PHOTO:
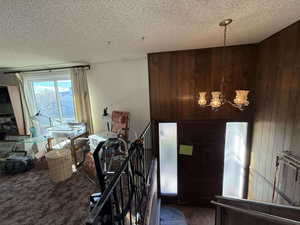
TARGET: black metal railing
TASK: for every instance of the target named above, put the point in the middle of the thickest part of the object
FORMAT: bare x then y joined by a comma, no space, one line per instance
233,210
146,136
124,199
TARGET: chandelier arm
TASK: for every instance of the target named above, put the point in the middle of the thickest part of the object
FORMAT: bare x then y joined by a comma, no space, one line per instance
206,105
234,105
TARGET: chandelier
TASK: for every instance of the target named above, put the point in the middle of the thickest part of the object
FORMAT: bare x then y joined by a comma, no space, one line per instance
218,97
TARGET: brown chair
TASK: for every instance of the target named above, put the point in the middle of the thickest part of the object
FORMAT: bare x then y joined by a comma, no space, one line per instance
77,145
120,123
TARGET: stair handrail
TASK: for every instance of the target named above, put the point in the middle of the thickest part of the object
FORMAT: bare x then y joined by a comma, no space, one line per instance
257,202
145,130
258,214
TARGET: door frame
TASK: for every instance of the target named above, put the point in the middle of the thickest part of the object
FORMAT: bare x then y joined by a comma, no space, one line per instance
155,142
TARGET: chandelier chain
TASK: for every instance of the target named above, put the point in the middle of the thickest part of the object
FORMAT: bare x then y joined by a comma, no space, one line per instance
223,58
225,35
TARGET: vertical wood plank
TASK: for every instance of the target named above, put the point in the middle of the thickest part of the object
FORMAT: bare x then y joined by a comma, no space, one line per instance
277,113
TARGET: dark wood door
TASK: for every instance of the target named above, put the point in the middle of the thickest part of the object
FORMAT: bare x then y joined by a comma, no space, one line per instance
200,176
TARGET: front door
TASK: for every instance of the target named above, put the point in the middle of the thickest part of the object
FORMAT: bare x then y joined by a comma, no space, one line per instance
200,160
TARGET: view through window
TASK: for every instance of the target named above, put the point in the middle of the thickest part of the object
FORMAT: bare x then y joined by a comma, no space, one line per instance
52,98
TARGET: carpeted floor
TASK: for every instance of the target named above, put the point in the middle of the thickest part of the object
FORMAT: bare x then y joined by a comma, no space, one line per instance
32,198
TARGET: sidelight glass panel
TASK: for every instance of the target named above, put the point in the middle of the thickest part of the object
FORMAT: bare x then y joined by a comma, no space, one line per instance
235,159
168,158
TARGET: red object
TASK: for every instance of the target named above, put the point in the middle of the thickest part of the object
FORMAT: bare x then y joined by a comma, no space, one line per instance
120,122
89,165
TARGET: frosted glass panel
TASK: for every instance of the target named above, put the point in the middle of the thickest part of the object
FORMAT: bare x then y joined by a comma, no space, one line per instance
235,158
168,158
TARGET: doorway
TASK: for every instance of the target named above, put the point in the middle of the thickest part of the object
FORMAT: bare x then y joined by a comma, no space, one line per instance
201,159
200,170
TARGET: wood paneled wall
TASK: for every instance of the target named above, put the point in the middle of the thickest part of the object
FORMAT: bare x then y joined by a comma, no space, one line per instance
176,78
270,69
277,116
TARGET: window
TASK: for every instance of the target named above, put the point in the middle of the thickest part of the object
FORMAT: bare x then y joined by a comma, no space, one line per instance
50,95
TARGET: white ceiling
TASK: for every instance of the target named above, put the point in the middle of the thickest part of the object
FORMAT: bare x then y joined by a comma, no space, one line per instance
43,32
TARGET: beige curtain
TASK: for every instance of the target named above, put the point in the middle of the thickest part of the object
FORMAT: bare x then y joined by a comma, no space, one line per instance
15,99
81,97
27,108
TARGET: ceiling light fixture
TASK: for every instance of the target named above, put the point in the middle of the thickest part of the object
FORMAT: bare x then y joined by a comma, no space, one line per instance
218,98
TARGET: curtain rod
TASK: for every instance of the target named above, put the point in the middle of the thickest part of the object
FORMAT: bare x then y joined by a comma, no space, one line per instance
49,69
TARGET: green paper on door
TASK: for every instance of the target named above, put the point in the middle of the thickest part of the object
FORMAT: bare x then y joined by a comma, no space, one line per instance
186,150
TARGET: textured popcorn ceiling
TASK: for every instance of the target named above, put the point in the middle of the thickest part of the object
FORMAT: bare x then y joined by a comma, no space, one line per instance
41,32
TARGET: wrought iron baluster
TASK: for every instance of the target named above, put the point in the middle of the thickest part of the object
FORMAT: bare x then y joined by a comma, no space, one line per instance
114,206
129,193
122,200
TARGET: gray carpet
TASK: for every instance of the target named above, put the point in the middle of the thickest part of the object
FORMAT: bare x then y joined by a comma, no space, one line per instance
171,216
32,198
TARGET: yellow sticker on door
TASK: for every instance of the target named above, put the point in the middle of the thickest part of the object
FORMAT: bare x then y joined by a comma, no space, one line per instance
186,150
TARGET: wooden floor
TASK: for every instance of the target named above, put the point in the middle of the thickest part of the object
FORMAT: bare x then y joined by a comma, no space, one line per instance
197,215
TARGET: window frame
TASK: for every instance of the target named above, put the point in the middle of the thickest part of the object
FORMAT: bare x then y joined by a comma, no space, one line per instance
41,76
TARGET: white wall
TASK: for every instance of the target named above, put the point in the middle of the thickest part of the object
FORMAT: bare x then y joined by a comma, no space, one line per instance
120,85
